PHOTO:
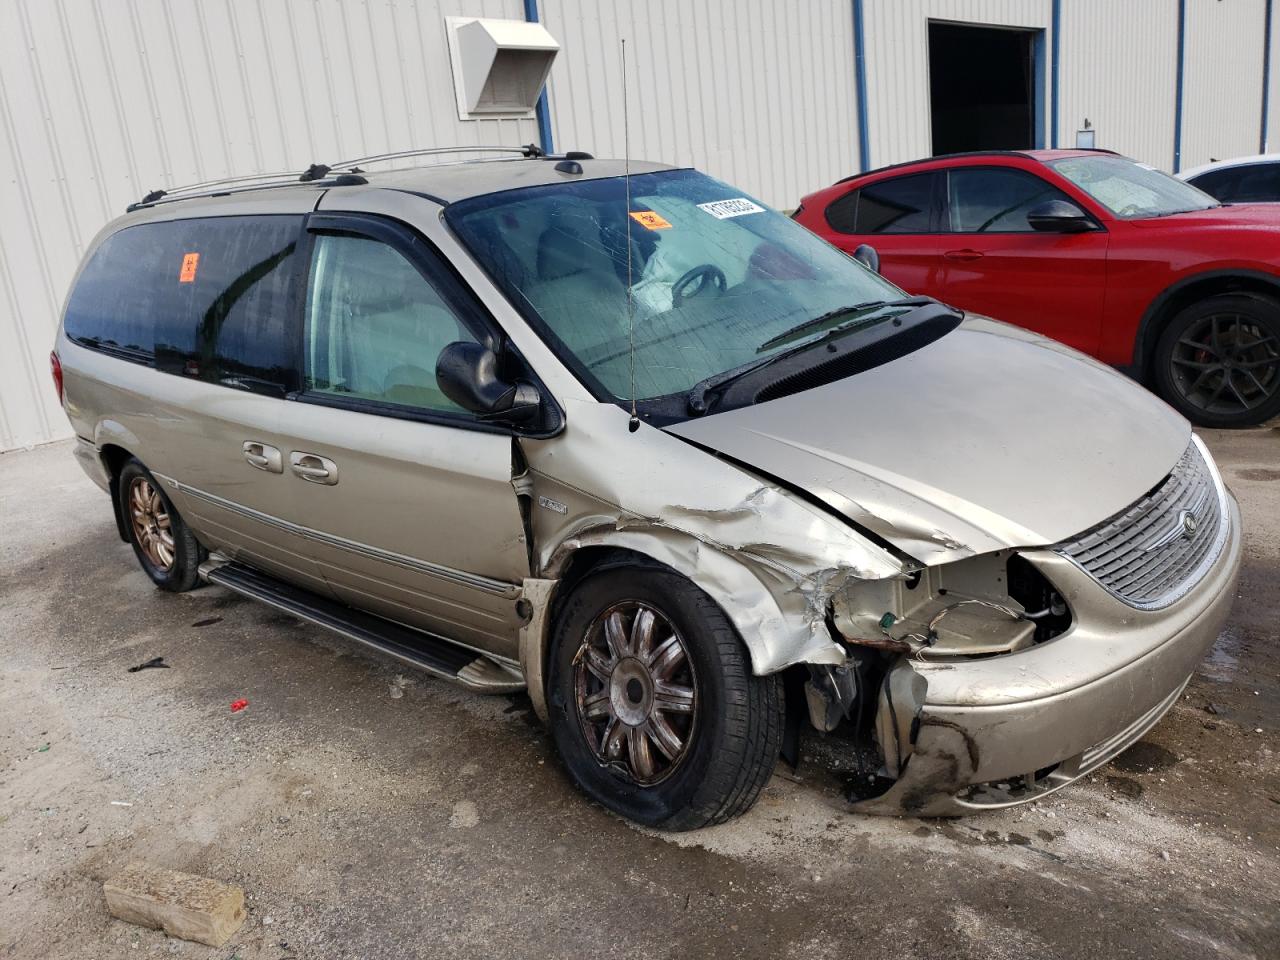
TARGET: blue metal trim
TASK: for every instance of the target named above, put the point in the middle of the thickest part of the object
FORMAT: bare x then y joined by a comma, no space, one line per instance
1053,108
1037,65
541,111
1177,107
860,70
1266,80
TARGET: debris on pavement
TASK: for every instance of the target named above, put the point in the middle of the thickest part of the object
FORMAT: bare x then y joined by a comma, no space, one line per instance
155,663
207,622
238,705
181,904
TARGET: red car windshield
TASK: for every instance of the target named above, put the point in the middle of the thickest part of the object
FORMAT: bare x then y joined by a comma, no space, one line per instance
1132,190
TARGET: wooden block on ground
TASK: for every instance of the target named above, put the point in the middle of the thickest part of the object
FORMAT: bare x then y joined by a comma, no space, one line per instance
180,904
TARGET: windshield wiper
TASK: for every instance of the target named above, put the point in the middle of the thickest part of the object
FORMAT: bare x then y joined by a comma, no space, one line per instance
855,312
697,396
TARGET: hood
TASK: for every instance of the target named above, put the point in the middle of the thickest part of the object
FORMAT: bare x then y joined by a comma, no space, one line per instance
1252,216
990,437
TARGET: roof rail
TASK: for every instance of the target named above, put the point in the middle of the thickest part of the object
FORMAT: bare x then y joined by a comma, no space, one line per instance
344,174
529,150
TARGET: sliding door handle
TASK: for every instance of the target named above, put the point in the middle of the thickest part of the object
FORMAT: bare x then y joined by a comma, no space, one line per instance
263,456
313,468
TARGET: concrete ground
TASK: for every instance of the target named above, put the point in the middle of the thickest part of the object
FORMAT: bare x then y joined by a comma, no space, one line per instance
371,813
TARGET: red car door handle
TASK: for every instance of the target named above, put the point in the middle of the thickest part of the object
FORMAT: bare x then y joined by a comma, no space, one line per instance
965,254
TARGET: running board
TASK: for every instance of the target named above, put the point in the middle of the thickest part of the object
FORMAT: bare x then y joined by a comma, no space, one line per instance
426,651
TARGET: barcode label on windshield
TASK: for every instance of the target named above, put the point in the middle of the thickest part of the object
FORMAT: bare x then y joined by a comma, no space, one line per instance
724,209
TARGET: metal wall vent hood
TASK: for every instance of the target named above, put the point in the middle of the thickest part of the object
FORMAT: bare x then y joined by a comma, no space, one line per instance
499,66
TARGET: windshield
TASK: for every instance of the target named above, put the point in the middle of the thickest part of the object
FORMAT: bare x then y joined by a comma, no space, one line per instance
714,276
1132,190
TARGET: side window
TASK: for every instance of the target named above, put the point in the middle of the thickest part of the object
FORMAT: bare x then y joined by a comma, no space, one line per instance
375,326
1256,183
205,298
1219,184
892,206
993,200
129,298
240,301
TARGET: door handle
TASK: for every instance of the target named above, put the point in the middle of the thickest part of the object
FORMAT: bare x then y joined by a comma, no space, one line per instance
966,254
313,468
263,456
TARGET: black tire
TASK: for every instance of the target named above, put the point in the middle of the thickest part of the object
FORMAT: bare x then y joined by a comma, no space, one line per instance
736,721
183,571
1218,361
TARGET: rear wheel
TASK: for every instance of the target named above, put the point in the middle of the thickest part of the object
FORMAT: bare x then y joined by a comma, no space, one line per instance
164,545
653,704
1218,361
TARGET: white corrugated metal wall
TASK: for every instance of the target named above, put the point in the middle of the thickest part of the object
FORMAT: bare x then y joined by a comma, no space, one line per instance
101,101
755,92
1110,51
1222,79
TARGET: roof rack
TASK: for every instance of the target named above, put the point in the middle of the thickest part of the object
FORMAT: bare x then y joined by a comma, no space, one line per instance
344,173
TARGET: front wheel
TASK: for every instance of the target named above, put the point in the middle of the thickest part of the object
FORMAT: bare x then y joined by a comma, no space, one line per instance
654,707
1218,361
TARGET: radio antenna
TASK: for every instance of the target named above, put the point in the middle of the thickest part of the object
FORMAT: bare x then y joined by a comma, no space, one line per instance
634,423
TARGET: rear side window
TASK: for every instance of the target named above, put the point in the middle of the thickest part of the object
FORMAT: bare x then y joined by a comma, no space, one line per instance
207,298
903,205
993,200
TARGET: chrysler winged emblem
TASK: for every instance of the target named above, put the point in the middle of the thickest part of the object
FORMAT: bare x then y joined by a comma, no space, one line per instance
1189,524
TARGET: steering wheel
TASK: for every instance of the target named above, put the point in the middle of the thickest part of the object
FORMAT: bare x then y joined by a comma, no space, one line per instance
706,276
1130,210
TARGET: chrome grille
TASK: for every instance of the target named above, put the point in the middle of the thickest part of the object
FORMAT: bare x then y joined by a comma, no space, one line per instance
1153,552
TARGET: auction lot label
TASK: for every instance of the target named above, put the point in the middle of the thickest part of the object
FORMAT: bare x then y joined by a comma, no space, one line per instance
724,209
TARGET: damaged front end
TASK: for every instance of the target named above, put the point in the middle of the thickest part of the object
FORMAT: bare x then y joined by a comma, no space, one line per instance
979,676
985,701
940,616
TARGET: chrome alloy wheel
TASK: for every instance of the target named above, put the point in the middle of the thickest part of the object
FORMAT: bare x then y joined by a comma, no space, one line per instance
152,528
1227,363
635,692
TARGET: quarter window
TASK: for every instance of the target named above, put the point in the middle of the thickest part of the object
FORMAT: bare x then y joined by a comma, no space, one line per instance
991,200
894,206
375,326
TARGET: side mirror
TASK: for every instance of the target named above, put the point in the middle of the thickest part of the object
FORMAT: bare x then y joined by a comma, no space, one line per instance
866,255
467,374
1058,216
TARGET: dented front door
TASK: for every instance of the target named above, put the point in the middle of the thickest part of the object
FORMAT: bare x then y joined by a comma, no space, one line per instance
408,497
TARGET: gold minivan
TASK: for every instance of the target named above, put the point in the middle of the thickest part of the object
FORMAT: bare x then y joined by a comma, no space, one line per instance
627,439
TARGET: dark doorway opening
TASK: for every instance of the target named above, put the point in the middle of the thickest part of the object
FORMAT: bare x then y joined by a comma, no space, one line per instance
982,88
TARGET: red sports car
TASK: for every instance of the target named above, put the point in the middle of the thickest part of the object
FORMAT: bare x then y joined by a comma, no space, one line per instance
1107,255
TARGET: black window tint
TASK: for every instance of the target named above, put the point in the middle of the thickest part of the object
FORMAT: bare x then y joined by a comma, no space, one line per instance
128,294
206,298
992,200
894,206
241,301
1255,183
842,213
1219,184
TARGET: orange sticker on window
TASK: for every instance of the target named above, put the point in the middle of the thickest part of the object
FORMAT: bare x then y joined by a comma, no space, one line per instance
650,220
188,272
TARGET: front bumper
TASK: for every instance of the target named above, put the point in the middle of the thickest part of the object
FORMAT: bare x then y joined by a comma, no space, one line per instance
971,735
